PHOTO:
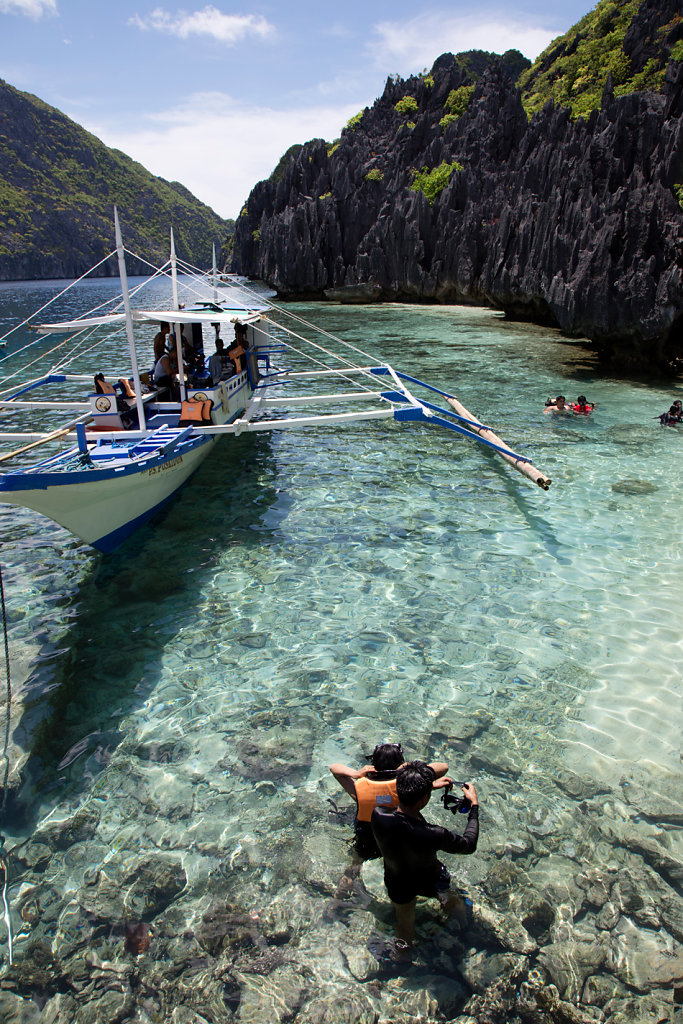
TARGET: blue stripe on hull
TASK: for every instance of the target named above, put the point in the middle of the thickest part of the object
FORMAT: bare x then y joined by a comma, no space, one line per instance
114,539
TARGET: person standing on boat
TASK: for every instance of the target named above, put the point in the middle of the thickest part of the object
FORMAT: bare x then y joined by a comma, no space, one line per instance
409,845
372,786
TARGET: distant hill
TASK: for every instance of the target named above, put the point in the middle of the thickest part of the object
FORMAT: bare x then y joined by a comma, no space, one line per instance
552,191
58,187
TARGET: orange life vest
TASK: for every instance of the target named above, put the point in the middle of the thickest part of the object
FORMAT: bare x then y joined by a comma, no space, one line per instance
126,385
235,352
373,793
194,413
104,387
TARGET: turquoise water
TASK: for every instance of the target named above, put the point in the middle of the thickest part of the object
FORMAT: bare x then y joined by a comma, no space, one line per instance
310,594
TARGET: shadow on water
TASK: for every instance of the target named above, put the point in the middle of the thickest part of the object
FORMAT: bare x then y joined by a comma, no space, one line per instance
128,606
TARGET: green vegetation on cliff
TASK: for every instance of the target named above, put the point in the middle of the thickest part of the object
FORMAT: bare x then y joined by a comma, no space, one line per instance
58,187
574,69
432,183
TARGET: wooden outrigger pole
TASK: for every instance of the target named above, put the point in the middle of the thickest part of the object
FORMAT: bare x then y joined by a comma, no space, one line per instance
53,436
525,468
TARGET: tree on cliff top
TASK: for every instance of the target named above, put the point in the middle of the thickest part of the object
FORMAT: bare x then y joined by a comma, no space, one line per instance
630,39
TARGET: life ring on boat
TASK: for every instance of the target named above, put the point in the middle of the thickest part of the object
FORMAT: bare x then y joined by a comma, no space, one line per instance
103,404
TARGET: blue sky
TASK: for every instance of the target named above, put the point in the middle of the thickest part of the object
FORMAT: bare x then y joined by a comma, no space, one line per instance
212,94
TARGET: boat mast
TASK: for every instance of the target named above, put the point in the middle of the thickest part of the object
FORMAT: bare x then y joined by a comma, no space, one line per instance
129,322
177,327
215,276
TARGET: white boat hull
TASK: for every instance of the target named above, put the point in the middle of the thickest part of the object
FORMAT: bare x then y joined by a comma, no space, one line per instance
103,507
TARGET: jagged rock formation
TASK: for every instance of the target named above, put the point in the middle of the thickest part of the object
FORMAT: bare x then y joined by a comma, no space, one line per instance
58,187
575,223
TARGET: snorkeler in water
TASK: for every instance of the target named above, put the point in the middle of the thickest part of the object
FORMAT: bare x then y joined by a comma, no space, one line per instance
559,407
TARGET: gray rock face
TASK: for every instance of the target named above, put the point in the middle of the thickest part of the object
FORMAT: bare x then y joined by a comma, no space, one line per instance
570,223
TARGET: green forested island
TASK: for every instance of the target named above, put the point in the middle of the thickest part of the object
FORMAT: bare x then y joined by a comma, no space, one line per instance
58,187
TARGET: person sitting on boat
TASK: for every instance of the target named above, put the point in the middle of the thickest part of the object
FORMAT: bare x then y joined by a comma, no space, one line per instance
672,417
189,354
241,335
221,366
162,374
160,338
236,354
559,407
582,407
372,786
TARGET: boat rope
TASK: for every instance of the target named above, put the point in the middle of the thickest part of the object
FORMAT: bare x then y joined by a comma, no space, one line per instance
43,355
409,396
8,703
77,351
8,707
367,356
55,297
337,370
348,364
86,333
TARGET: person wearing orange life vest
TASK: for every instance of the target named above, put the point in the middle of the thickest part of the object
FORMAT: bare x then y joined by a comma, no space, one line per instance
373,786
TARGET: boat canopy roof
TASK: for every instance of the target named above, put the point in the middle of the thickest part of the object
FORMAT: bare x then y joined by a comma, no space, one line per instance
175,316
199,316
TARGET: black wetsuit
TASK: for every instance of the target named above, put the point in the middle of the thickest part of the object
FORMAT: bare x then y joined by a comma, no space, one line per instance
409,846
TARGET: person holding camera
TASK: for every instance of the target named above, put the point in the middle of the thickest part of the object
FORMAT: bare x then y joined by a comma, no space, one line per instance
409,845
372,786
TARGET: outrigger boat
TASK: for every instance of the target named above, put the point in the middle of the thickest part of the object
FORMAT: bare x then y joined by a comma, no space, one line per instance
127,454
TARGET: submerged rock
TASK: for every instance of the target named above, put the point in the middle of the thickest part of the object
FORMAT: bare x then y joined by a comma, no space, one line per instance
342,1007
634,487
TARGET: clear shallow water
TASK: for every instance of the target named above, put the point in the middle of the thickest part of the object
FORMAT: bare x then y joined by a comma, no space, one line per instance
310,594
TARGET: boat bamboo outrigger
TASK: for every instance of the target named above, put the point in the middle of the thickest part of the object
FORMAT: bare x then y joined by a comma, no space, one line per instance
133,446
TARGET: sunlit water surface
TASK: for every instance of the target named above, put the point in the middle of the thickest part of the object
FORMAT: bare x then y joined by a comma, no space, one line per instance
310,594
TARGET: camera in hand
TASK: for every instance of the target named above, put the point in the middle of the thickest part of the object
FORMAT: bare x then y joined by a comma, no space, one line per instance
455,804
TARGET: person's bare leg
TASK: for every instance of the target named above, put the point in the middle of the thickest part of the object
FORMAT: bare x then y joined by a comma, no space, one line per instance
405,922
345,886
454,906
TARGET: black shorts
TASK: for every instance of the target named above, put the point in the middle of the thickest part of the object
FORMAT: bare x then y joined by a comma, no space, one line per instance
404,890
364,841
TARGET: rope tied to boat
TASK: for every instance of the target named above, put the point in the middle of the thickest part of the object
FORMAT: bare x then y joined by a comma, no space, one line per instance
8,706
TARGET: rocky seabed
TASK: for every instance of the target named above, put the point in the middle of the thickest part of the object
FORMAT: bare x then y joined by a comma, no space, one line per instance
185,895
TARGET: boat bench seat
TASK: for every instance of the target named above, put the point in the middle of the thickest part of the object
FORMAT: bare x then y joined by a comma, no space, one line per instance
163,419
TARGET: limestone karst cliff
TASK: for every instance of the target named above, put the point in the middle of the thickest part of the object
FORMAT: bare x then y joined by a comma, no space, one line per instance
447,190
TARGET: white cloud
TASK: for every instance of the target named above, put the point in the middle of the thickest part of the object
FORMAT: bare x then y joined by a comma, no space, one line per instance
219,148
413,45
225,28
32,8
